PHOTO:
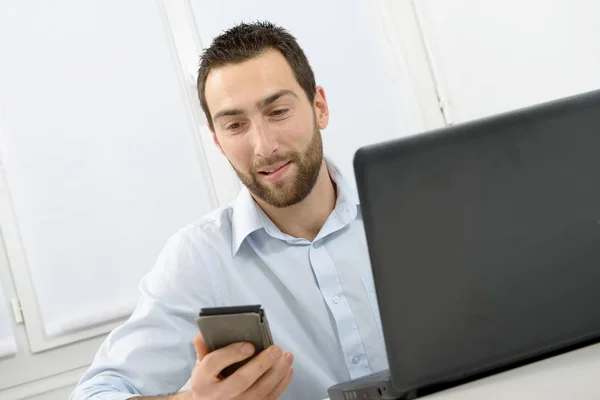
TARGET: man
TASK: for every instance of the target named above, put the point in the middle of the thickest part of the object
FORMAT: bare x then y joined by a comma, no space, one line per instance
293,241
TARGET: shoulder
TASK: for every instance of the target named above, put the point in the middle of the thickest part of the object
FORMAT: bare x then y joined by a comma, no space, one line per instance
191,249
213,229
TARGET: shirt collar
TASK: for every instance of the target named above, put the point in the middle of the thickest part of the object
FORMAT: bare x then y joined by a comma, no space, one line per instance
249,217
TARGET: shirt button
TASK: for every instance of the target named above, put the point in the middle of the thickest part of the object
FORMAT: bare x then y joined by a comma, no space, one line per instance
355,359
335,299
317,245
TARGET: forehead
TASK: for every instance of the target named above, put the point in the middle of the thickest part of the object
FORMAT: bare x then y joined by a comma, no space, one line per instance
242,85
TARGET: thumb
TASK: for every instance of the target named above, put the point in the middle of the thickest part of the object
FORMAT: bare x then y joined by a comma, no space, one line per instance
200,347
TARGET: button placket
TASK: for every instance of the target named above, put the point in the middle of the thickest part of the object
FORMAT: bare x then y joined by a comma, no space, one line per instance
331,289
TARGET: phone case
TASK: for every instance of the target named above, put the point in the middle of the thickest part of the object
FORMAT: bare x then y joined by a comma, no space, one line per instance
222,326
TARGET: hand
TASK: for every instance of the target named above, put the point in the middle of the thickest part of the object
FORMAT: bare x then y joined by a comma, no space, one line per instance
264,377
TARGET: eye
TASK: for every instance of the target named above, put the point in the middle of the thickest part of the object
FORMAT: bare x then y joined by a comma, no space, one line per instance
235,126
280,112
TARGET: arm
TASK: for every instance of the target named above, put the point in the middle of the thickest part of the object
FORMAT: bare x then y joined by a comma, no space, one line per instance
153,352
177,396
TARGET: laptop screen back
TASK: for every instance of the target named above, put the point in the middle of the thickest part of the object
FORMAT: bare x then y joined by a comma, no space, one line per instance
485,240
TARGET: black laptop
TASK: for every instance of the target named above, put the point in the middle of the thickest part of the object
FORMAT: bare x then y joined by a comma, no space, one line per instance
484,240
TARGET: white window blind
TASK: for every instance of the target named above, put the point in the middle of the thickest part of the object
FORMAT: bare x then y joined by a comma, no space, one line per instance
101,161
8,346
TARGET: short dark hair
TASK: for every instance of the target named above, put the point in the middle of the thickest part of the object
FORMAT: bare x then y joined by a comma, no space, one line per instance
249,40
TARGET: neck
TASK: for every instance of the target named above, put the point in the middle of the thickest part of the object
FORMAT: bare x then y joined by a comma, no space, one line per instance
305,219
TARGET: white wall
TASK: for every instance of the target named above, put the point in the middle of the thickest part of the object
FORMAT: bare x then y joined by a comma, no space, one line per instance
493,56
384,64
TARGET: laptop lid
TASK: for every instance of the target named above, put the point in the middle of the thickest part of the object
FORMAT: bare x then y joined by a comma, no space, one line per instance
484,240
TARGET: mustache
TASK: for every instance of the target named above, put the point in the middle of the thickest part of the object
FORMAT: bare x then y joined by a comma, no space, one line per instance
265,162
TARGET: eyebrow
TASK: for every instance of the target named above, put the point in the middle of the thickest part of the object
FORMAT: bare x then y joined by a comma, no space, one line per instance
272,98
260,105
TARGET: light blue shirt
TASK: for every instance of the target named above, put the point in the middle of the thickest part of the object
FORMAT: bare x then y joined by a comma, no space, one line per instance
319,299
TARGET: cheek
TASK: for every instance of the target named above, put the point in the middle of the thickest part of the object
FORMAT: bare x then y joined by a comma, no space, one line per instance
297,135
238,153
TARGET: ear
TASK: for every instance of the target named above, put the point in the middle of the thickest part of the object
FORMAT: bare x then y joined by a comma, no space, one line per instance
321,108
214,137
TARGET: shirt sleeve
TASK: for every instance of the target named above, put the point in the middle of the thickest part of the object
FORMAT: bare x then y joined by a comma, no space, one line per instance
152,353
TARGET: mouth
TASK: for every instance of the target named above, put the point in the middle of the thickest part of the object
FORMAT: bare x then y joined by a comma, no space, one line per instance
274,172
273,168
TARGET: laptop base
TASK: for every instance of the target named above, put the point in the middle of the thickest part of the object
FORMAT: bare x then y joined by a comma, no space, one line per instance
376,386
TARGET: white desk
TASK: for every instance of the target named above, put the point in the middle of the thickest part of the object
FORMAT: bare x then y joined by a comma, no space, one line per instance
571,376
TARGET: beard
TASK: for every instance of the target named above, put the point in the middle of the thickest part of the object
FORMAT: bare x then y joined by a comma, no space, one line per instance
283,193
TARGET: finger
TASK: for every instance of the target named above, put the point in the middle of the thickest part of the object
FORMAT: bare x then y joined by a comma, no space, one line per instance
267,383
282,386
216,361
244,378
200,348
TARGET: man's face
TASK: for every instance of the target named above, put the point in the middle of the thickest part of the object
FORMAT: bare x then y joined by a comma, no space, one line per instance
267,128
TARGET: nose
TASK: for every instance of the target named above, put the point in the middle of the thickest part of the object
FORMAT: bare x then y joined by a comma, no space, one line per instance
265,141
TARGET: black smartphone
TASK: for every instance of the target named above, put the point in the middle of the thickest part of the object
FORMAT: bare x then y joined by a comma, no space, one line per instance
222,326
